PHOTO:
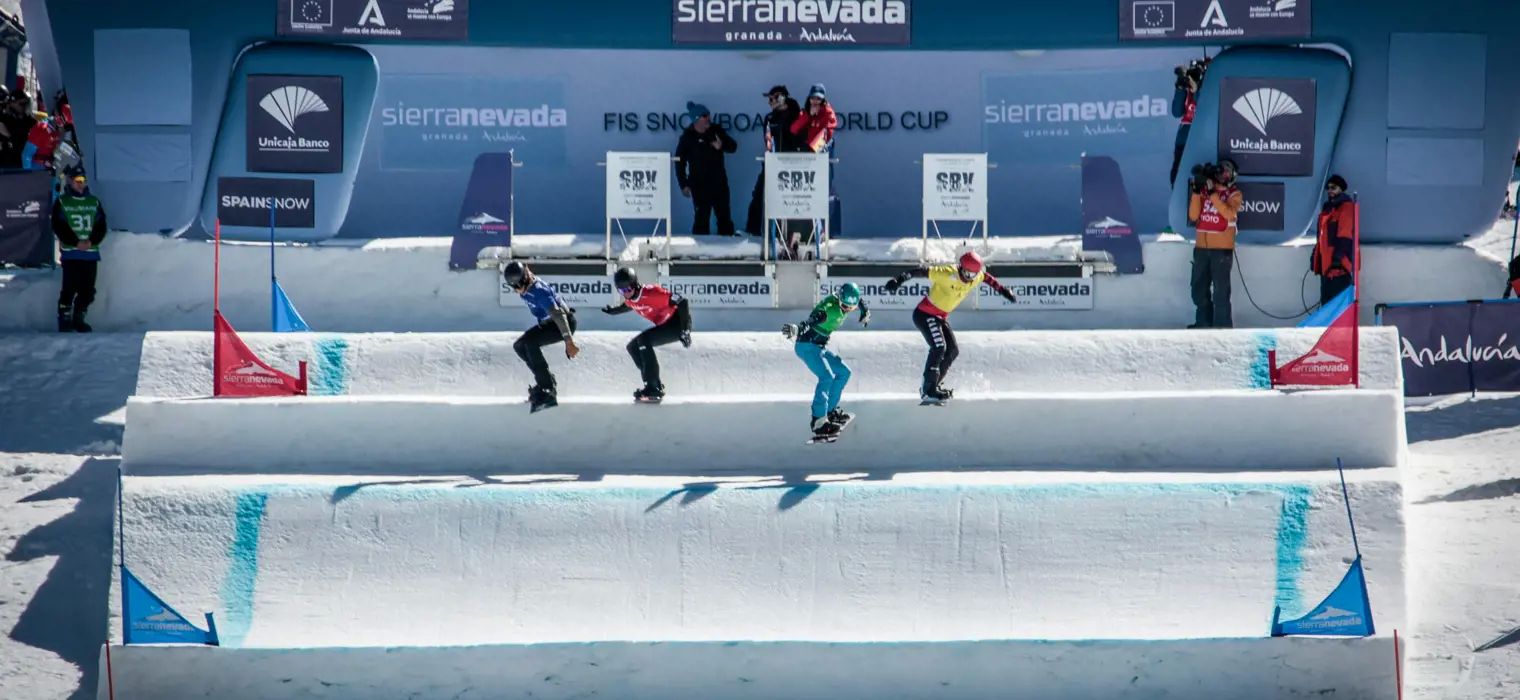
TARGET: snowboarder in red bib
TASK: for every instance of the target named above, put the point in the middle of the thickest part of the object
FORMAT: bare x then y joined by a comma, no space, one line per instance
948,287
672,322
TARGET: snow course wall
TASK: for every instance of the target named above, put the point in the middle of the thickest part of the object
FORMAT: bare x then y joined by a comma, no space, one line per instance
178,364
1103,431
640,575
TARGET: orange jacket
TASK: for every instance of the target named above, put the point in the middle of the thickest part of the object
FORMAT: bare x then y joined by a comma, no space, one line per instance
1214,217
1334,250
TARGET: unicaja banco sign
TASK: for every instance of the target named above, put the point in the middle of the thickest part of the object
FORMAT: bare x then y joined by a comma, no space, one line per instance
877,22
295,123
1266,125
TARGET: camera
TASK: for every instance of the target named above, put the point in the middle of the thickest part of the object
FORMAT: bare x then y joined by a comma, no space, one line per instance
1194,69
1203,172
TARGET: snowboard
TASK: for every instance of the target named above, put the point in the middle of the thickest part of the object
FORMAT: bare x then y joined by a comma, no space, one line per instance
816,439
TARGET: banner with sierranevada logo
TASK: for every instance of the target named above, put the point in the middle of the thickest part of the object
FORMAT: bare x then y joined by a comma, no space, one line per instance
853,22
638,185
295,124
1266,125
435,20
440,121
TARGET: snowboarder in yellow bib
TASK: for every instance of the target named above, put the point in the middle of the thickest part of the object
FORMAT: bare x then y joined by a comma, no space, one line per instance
949,285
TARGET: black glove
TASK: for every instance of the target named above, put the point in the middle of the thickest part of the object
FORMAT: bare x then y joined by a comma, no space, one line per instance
790,330
865,316
610,309
893,284
1007,294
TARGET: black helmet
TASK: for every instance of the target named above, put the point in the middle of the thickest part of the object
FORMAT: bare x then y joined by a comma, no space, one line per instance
625,278
514,274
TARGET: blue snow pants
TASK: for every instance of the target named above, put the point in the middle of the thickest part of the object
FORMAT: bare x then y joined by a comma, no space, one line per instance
832,375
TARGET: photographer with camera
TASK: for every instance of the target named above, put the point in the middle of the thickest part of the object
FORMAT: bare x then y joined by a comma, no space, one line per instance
1212,210
1185,104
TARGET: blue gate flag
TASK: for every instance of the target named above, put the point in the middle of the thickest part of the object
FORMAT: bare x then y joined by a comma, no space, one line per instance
149,620
1325,315
286,318
1346,612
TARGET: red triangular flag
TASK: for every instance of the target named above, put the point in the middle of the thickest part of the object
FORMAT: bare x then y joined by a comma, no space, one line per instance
1332,360
237,371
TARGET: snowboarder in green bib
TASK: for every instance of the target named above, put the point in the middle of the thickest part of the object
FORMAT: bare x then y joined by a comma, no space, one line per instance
812,336
79,222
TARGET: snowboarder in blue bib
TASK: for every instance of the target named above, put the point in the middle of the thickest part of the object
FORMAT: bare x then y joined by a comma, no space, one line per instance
555,323
812,337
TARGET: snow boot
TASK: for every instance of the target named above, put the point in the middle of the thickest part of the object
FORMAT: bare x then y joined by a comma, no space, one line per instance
78,323
540,399
840,418
650,394
823,428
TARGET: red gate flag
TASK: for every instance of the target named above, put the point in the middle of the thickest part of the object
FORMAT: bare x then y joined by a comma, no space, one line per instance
238,372
235,370
1331,362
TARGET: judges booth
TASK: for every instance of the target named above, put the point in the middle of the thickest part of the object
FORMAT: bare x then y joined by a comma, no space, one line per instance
796,262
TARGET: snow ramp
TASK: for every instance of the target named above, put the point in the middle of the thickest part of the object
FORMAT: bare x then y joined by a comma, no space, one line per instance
1075,586
1116,520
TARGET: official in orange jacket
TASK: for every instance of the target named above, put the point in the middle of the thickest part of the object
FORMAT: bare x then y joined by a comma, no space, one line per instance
1212,210
1335,252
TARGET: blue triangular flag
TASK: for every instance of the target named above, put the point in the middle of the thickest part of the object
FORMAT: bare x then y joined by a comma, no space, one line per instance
1325,315
1346,612
286,318
149,620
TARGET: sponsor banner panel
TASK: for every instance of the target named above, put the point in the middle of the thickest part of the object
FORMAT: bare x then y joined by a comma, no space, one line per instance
245,201
1039,294
1266,125
955,186
1216,21
850,22
295,124
638,185
434,20
721,291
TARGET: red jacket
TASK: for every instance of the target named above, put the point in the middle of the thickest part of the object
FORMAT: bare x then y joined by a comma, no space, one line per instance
46,139
1334,250
655,303
819,127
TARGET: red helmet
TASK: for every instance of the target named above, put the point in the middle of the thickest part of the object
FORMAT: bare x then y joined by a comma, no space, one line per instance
971,263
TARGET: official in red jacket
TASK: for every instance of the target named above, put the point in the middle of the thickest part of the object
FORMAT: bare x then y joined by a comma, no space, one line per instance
672,322
817,121
1334,257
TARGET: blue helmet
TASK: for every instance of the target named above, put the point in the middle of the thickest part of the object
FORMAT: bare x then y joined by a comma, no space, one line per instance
849,294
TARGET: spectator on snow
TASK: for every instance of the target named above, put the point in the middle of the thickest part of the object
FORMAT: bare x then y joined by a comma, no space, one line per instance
1212,210
79,222
817,122
778,138
1335,251
700,171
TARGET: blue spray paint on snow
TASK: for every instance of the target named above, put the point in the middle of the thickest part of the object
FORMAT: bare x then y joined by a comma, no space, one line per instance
243,569
331,377
1261,373
1292,536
